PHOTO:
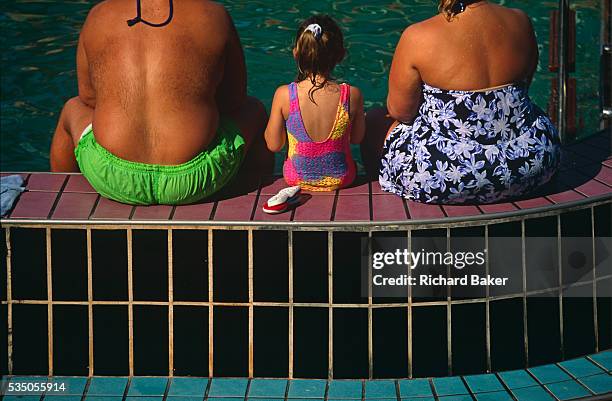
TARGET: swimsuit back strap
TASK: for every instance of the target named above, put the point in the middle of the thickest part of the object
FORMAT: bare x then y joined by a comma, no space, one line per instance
345,96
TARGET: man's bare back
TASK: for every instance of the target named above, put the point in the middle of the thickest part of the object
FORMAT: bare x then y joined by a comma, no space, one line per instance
155,91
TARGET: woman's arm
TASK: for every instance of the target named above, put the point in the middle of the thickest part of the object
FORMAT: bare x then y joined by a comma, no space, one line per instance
275,131
404,96
357,116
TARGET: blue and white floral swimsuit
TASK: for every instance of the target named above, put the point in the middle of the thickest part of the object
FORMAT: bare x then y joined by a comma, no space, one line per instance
471,147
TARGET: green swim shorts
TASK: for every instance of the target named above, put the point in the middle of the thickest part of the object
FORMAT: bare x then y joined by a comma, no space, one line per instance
150,184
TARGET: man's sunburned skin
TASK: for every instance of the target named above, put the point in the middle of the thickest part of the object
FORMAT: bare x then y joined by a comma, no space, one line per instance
157,92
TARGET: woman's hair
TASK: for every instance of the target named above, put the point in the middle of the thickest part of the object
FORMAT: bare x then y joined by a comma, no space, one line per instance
451,8
318,53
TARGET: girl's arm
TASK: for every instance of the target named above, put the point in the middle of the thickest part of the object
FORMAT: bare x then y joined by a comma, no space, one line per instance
276,133
405,82
357,116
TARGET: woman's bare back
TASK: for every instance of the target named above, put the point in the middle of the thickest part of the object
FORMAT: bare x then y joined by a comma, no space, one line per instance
485,46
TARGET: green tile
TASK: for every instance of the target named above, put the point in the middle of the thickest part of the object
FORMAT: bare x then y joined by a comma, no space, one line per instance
549,374
228,388
532,394
188,386
71,386
567,390
599,384
345,389
147,386
494,396
483,383
518,379
449,386
604,359
581,367
114,386
272,388
307,388
380,389
415,388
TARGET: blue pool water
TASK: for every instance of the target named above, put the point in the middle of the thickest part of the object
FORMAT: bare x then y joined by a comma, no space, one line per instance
38,63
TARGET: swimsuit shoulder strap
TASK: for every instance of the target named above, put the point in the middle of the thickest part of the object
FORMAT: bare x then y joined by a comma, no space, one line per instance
345,96
294,103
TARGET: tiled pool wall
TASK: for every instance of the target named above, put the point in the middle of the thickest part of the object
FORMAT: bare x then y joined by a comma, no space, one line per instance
184,302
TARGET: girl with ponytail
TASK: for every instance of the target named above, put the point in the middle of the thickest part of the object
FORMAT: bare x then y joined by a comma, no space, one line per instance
316,116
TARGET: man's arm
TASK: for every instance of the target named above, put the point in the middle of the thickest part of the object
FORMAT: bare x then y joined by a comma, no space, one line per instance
404,96
231,92
87,93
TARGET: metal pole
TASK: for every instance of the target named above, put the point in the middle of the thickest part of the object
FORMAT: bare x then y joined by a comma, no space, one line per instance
563,33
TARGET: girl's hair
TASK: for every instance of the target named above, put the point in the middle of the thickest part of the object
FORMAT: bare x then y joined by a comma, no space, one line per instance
451,8
318,55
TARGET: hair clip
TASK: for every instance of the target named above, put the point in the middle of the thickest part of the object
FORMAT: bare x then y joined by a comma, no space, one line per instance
316,30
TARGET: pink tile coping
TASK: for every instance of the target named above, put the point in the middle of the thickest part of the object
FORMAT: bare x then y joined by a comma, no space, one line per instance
358,188
388,208
156,212
421,211
111,210
567,196
34,205
46,182
317,208
533,203
198,212
353,208
605,175
74,206
498,208
78,183
461,211
271,186
235,209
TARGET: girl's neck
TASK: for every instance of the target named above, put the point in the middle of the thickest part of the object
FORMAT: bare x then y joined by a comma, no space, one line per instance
319,79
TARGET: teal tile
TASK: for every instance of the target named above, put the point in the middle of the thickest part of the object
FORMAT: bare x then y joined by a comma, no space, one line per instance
483,383
307,388
272,388
549,374
532,394
464,397
114,386
418,399
188,386
415,388
449,386
604,359
71,386
22,397
494,396
380,389
187,398
581,367
345,389
567,390
517,379
63,397
228,388
147,386
141,398
102,398
599,384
